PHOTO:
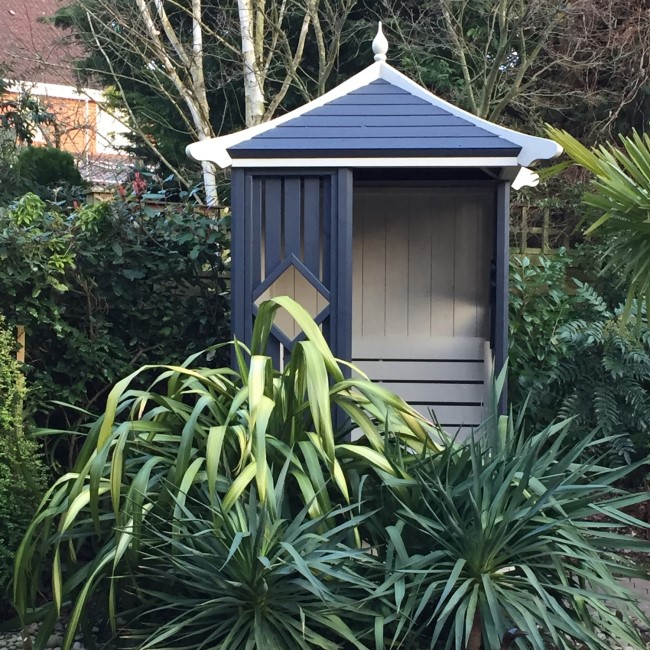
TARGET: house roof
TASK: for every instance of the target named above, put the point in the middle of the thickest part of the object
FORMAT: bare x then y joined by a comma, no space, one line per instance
32,50
379,117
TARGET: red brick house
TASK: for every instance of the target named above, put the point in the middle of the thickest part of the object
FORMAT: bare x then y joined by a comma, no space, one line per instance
38,58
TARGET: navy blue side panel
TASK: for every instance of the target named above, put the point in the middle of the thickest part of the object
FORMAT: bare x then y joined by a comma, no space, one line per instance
502,283
292,220
239,298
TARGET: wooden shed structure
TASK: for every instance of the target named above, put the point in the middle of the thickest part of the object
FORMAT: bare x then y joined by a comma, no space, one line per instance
383,210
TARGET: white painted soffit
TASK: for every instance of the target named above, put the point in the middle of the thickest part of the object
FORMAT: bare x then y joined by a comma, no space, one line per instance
532,148
379,161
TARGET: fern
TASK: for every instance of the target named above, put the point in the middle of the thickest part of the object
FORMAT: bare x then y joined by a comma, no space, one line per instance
581,360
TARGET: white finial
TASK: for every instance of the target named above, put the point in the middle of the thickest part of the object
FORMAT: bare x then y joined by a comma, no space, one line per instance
380,45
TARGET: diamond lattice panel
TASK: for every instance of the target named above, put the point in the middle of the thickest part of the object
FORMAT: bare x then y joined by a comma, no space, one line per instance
293,283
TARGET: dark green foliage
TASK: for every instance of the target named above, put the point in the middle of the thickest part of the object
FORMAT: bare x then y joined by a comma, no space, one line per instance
47,166
539,305
500,532
21,472
106,287
604,381
618,198
572,354
249,575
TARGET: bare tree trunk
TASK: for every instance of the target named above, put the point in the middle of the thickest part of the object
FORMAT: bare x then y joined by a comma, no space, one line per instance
253,83
475,636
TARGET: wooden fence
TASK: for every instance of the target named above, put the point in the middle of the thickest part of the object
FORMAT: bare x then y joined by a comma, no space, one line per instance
535,229
20,339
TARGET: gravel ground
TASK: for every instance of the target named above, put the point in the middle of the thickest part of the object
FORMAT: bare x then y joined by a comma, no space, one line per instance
14,640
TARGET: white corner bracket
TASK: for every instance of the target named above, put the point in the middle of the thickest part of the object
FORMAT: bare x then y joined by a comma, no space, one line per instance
525,178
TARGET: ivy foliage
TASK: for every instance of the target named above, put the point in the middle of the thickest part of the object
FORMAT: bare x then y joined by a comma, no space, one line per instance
102,288
573,355
21,472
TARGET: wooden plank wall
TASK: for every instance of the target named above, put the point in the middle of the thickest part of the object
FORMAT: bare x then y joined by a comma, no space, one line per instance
421,283
290,214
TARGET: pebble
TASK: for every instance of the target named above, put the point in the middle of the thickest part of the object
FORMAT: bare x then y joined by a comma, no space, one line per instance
54,641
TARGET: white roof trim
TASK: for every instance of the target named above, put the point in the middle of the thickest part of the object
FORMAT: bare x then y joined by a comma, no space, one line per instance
216,149
272,163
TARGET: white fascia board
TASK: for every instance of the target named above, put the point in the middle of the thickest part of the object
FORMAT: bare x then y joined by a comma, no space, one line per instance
216,149
533,148
58,91
360,163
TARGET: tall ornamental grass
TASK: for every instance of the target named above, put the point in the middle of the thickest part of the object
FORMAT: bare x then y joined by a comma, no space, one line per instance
216,430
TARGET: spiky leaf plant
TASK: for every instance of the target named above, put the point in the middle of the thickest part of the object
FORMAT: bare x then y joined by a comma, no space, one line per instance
219,430
247,577
510,531
620,194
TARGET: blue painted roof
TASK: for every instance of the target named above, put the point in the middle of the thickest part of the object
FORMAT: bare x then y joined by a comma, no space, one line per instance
378,119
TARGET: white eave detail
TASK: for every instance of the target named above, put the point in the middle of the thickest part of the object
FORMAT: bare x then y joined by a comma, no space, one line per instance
367,162
216,149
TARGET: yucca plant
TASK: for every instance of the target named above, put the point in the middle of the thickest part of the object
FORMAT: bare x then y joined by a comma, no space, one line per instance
246,577
220,430
511,531
621,195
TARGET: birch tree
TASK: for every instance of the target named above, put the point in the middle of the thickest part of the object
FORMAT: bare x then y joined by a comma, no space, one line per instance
523,58
192,53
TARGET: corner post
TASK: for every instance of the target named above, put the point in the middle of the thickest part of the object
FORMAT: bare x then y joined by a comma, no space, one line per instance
342,264
502,264
239,277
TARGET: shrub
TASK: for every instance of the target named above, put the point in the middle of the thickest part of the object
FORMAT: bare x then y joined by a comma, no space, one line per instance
510,530
155,454
106,288
21,473
572,355
41,166
540,303
248,575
